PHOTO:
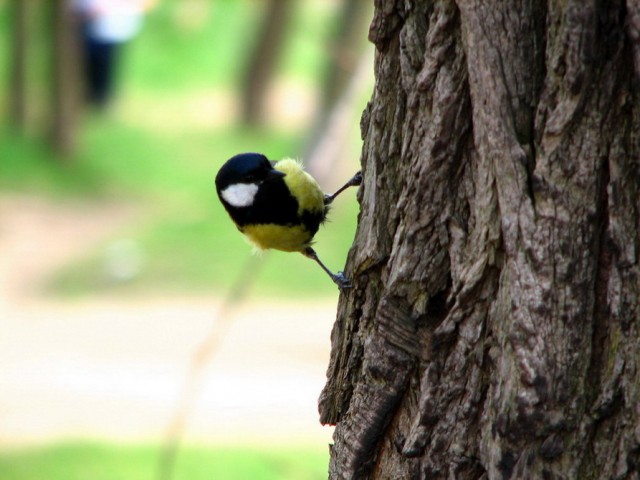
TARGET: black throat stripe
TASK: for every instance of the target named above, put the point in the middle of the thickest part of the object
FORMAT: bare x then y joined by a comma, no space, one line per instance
274,204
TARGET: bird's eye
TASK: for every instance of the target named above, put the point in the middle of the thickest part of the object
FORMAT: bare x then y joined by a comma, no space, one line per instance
250,178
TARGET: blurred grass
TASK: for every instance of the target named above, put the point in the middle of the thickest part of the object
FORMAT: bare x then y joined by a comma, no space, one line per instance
185,239
103,461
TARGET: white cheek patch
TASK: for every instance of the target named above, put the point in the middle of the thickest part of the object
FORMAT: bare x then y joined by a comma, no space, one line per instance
240,194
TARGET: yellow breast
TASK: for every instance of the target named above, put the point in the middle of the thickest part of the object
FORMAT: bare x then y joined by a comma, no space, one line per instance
280,237
290,238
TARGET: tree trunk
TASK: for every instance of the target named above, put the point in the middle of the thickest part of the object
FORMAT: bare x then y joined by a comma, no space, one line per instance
264,59
492,331
347,51
345,47
18,66
67,87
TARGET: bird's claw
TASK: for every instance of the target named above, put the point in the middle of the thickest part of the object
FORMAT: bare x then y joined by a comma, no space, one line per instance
343,282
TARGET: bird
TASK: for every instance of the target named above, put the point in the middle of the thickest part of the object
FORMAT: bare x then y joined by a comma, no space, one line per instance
277,205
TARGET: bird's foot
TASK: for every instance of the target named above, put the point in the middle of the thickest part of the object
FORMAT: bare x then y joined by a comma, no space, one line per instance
353,182
343,282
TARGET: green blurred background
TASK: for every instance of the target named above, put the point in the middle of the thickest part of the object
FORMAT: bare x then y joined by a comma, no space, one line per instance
109,218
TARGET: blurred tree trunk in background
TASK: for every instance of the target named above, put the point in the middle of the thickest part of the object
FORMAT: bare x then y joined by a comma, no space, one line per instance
67,86
346,48
493,327
18,66
263,60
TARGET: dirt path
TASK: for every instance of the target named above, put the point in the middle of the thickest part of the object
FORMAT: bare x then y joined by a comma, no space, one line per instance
38,236
112,368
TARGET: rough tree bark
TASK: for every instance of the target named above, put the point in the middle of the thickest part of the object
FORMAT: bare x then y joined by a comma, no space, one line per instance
492,331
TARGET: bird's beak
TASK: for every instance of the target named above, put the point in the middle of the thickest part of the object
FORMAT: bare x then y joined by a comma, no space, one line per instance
275,175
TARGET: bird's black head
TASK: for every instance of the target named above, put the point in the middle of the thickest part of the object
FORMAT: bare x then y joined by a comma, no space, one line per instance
243,168
240,178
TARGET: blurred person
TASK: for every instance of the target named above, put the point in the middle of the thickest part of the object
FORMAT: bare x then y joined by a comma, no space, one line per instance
106,25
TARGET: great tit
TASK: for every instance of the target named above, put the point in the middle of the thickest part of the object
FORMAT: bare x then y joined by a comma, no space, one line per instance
277,204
